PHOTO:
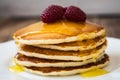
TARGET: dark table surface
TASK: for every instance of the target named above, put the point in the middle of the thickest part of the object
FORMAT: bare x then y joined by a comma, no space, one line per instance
10,25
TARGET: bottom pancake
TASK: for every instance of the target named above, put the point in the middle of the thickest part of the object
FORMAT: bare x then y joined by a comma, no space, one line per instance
63,71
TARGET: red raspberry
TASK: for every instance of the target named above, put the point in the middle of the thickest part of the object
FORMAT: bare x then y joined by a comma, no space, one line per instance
52,14
73,13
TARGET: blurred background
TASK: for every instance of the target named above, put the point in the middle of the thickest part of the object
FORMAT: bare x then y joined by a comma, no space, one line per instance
15,14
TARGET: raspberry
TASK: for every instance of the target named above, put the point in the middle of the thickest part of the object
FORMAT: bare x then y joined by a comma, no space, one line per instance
75,14
52,14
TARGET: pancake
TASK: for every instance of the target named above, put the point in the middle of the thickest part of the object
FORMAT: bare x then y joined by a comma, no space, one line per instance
61,55
40,62
63,71
75,46
58,32
60,46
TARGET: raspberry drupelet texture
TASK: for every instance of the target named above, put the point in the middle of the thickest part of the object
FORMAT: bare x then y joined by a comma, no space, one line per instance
75,14
52,13
55,12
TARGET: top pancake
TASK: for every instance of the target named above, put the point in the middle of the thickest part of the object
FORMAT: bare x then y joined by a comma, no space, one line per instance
58,32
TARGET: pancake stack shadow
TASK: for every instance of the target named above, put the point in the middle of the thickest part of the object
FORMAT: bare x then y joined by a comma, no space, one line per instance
64,58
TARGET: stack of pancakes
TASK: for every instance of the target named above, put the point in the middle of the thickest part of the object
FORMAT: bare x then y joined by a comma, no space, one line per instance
61,48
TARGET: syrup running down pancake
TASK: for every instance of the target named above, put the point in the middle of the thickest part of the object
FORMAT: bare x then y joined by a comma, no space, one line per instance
66,31
77,45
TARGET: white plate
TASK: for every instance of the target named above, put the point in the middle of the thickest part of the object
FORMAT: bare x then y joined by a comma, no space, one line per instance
8,50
